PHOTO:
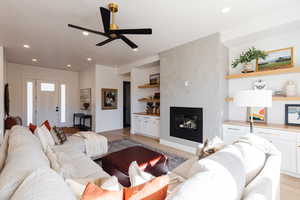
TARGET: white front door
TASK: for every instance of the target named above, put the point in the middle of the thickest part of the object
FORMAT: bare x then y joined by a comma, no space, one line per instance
47,102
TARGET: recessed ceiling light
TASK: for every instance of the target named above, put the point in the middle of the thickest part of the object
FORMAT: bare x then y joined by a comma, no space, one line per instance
89,59
26,46
69,65
226,10
135,49
85,33
34,60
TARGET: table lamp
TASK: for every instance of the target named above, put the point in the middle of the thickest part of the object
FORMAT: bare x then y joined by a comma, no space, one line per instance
253,98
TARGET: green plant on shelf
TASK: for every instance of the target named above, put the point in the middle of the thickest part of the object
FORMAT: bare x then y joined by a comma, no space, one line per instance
248,56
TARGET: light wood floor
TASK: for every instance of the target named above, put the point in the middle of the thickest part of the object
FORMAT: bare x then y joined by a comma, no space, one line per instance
289,186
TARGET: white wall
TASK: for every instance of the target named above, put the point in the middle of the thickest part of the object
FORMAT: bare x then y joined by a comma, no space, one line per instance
2,77
17,75
106,120
282,38
140,76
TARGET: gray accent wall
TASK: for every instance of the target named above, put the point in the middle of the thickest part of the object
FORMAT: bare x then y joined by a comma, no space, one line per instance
192,75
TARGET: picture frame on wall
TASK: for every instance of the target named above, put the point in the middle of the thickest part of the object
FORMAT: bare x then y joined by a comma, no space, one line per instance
85,99
276,59
109,99
259,114
292,114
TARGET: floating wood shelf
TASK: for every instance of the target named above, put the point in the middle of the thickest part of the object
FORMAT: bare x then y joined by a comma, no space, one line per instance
264,73
229,99
149,100
146,114
149,86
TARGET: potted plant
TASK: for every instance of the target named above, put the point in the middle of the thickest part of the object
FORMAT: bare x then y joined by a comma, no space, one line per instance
247,57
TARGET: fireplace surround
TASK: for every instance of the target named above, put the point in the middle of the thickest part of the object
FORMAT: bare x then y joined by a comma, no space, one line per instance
186,123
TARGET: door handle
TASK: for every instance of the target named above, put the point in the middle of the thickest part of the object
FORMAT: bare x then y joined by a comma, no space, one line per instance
57,109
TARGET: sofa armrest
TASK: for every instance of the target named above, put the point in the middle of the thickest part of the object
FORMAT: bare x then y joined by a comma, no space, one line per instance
266,186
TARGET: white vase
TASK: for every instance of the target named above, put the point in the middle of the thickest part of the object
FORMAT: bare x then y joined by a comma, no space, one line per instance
248,67
291,89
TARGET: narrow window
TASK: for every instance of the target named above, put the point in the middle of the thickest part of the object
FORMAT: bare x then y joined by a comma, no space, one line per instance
29,102
47,87
63,103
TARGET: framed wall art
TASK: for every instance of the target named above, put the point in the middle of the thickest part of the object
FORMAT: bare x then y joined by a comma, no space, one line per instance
276,59
109,99
292,114
259,114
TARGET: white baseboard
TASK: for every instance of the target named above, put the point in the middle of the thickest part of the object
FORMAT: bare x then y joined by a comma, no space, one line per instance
178,146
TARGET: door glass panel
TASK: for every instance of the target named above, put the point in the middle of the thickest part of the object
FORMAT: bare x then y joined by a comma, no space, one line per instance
63,103
47,87
29,102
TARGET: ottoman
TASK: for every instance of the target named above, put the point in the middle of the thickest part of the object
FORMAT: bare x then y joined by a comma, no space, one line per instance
117,163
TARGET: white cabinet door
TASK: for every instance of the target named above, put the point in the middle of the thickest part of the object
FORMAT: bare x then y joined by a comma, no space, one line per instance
145,129
154,127
288,150
233,133
137,124
286,144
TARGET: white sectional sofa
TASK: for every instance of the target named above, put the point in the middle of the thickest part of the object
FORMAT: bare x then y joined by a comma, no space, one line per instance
240,171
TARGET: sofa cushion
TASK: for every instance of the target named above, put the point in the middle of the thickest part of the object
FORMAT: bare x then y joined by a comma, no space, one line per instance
253,158
24,156
43,184
223,170
45,137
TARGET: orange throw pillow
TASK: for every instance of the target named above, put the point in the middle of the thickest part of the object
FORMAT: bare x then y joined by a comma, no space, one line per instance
93,192
32,127
47,124
155,189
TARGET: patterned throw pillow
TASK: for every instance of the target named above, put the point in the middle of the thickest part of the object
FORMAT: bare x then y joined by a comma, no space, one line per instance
60,134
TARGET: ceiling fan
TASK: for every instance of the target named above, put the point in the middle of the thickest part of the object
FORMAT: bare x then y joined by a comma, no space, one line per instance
111,29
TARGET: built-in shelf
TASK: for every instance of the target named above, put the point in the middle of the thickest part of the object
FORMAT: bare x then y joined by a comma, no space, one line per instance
149,86
149,100
264,73
146,114
229,99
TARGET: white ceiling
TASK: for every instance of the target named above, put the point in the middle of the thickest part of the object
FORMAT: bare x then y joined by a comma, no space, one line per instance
43,25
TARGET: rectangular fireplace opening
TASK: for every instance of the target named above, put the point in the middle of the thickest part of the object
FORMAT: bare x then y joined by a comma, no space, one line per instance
187,123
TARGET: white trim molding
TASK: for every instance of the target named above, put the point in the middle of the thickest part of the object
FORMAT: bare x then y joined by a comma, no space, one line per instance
178,146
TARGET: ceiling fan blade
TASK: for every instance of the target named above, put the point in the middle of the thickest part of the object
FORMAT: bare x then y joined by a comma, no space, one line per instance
129,42
105,14
88,30
105,42
144,31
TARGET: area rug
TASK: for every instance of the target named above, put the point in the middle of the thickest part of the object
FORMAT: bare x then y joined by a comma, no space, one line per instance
173,160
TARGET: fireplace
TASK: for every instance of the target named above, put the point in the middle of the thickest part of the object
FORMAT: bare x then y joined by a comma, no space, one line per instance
187,123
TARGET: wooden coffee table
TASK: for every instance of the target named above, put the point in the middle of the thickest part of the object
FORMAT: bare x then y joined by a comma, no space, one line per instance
117,163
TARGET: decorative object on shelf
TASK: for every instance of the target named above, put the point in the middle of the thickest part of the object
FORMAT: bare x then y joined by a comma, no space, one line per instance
109,99
260,85
156,95
292,114
247,57
149,108
259,114
85,98
154,79
279,93
291,89
276,59
252,99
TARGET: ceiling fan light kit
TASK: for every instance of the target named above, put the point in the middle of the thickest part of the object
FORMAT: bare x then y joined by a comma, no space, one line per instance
111,29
